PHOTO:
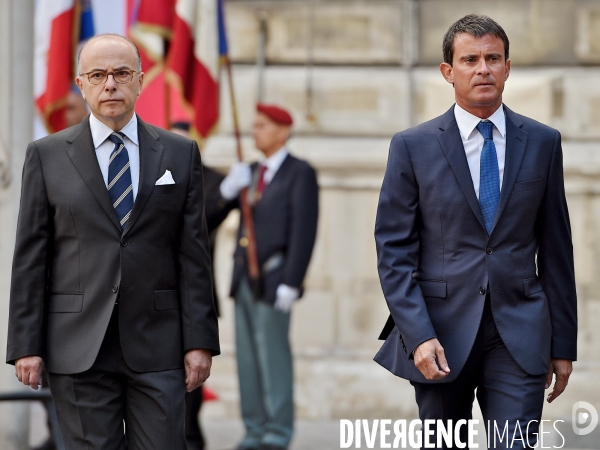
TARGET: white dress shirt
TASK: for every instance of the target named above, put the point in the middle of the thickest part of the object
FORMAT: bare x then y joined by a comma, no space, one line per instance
104,147
473,140
273,163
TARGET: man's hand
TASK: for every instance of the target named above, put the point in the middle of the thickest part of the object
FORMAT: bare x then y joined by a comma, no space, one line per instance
431,361
29,371
562,368
197,368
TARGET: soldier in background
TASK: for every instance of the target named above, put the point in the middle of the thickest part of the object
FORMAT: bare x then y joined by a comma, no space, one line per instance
284,195
216,210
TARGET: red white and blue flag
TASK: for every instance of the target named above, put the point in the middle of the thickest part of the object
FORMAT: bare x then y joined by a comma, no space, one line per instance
60,25
53,64
197,43
191,31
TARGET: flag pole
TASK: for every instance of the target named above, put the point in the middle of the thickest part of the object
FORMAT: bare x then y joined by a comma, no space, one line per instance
167,87
251,253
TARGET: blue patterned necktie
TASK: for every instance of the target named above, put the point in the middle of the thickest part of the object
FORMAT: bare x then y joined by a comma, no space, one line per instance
120,187
489,176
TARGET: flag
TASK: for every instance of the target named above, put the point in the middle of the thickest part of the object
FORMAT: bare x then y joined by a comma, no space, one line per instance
197,43
53,65
60,27
151,28
86,21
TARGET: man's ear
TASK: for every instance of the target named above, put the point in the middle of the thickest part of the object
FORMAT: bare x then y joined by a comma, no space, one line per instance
141,78
447,72
80,86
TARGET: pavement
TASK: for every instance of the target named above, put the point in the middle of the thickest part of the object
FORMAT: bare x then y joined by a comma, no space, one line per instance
225,434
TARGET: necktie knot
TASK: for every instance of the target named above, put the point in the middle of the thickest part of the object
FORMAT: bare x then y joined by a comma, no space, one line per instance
116,138
485,128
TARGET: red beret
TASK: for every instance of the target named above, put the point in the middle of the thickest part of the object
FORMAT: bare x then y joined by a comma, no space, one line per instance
275,113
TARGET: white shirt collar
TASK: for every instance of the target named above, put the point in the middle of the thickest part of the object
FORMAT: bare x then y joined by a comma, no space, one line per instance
467,122
274,162
101,131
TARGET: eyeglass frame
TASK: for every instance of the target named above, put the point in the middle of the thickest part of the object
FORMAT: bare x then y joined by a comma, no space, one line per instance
131,72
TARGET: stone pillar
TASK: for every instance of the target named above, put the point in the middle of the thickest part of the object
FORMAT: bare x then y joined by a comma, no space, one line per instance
16,119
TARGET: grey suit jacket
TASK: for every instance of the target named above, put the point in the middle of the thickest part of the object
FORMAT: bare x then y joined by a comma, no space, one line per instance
436,260
72,260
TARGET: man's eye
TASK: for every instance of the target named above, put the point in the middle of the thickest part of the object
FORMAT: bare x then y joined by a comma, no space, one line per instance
97,75
122,73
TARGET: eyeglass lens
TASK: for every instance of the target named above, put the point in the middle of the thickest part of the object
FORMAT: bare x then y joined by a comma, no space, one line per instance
120,76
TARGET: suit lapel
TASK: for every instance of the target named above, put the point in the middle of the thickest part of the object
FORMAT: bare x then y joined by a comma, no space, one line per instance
151,152
516,140
452,145
83,155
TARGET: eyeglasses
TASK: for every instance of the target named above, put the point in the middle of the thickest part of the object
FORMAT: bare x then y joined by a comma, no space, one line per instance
121,76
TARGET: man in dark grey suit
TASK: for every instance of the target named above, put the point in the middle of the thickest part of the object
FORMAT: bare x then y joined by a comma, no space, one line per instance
111,283
474,250
285,197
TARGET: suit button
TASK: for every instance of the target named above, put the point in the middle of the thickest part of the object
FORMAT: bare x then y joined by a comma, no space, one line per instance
115,289
482,290
124,242
244,242
489,250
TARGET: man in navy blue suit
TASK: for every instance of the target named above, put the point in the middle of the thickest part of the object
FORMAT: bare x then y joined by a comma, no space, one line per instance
474,250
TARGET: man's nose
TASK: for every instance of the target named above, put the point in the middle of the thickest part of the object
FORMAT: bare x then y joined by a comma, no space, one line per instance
110,84
482,67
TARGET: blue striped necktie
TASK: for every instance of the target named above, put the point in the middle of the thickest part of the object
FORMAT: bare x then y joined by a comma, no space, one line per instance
120,187
489,176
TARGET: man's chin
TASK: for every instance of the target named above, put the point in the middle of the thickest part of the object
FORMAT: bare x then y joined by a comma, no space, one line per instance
112,114
487,100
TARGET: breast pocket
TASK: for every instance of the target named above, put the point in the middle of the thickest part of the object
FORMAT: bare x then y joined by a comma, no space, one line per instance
164,189
528,185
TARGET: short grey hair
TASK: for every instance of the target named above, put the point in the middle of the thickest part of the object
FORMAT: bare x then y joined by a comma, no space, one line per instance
137,50
476,25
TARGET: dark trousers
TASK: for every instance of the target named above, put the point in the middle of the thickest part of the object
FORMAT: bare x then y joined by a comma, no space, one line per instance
193,432
505,392
111,407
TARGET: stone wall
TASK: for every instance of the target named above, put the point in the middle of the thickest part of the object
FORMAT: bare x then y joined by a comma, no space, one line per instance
358,99
16,113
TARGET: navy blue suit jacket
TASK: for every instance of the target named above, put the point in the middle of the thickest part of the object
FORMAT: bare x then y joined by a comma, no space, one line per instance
285,223
436,260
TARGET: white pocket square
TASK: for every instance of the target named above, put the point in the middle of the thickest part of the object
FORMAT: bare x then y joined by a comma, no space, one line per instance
167,178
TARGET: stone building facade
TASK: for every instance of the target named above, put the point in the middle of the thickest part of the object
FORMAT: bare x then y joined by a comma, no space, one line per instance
354,72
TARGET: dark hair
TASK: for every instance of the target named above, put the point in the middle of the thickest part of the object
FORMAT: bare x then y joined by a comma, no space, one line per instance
476,25
181,125
137,50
